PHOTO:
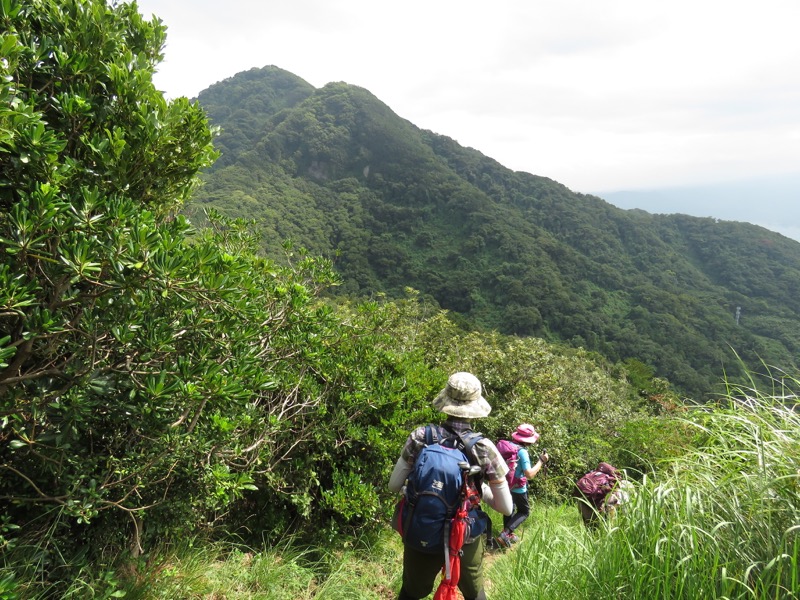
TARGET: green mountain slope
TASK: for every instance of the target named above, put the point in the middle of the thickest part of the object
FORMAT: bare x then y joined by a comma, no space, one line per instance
336,171
243,103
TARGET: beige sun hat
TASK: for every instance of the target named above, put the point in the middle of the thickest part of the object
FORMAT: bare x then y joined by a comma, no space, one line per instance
462,397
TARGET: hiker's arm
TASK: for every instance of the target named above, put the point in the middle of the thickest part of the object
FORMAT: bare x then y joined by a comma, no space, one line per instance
408,456
531,473
399,474
498,496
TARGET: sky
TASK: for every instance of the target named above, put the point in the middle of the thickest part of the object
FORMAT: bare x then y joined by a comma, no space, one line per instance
599,95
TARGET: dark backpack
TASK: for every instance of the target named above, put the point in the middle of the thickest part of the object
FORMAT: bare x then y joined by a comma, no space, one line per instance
510,453
434,490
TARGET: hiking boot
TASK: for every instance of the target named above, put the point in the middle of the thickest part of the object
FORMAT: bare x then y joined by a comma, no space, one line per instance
503,540
513,538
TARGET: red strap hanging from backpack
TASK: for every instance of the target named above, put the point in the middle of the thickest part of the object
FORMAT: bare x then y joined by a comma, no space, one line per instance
451,572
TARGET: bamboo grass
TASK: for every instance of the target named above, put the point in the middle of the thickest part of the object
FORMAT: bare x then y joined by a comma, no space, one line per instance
722,522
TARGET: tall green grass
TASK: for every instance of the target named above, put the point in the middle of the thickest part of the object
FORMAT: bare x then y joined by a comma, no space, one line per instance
549,562
360,570
357,570
722,522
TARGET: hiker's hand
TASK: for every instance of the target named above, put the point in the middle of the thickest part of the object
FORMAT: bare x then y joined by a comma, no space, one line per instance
544,458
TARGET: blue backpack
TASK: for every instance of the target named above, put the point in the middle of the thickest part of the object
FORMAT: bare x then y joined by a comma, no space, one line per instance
434,491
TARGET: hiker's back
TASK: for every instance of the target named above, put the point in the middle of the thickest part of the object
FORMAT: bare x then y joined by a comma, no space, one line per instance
593,488
510,453
462,401
434,488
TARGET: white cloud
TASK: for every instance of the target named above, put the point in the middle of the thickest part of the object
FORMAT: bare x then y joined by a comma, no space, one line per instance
597,95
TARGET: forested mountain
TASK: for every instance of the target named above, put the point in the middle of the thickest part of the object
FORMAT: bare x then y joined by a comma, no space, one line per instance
336,171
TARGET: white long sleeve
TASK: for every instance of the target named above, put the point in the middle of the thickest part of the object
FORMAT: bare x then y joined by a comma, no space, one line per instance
497,495
399,475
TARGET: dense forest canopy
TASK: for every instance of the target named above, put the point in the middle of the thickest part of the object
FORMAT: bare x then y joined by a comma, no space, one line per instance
337,172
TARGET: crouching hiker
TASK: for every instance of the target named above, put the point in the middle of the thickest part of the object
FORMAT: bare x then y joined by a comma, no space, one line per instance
431,471
593,489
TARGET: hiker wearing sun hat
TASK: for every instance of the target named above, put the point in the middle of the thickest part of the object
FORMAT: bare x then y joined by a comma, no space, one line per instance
462,401
519,460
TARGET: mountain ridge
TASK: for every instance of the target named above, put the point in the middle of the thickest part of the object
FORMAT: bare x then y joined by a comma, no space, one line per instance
396,206
769,202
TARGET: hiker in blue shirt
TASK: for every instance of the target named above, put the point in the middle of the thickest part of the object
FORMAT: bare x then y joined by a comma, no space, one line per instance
525,436
461,401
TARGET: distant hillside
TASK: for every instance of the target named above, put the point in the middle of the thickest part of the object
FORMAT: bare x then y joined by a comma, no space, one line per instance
335,170
772,202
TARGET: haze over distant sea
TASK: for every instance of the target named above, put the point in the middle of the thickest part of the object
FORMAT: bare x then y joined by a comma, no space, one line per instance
771,202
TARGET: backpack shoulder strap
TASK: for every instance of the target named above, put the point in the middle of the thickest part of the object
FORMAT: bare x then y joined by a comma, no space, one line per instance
428,434
469,439
464,441
433,435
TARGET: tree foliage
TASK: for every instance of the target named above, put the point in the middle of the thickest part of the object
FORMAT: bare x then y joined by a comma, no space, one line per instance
94,287
148,371
338,172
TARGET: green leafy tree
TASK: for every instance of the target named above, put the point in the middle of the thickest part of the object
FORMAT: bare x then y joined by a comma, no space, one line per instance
92,158
143,367
156,379
93,163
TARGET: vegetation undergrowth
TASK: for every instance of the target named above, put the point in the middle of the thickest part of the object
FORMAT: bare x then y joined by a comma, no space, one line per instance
288,571
720,522
549,561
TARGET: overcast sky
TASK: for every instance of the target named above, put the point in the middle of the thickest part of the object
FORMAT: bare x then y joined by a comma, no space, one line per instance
599,95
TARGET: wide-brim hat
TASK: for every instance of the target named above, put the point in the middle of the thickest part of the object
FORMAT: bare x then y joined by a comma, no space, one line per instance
525,434
462,397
